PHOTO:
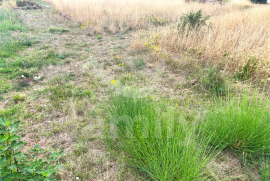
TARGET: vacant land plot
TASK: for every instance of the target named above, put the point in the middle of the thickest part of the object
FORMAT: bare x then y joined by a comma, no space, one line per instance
134,90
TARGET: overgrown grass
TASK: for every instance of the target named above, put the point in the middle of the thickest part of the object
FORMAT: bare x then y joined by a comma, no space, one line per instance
241,124
9,21
155,138
10,44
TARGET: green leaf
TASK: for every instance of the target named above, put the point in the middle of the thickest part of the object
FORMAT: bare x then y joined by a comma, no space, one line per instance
3,161
3,122
3,138
16,145
14,137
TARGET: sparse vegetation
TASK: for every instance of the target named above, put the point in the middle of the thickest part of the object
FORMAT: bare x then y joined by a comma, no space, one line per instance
134,90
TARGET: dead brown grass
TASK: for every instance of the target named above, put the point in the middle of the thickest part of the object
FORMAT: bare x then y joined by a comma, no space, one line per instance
236,38
240,32
117,15
9,3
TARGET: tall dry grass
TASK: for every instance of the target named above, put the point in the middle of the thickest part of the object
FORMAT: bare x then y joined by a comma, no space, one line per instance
239,41
121,15
9,3
241,30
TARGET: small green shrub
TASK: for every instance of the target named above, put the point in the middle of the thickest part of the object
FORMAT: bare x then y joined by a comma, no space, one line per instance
214,82
193,21
154,139
16,165
241,125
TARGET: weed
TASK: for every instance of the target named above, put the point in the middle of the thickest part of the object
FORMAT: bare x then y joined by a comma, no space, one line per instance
18,166
62,56
99,37
193,21
17,98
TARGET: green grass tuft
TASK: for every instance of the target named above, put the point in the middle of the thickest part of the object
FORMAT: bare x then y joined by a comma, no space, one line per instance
240,124
155,139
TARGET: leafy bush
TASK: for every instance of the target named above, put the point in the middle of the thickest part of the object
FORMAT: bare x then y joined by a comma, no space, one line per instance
154,139
193,21
241,125
16,165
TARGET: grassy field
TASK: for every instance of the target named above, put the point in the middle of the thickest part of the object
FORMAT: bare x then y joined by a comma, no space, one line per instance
135,90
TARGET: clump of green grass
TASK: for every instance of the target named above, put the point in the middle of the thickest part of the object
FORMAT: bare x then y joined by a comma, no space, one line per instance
154,139
99,37
58,30
240,124
139,63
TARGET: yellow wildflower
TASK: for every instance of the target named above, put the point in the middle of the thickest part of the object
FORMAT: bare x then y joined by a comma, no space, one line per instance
176,104
156,48
152,97
117,57
146,44
113,82
120,64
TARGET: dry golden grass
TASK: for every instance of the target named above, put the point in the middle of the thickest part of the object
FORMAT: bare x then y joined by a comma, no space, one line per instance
241,29
9,3
235,38
119,15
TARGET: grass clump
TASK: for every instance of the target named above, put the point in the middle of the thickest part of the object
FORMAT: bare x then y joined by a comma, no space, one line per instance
139,63
241,124
58,30
154,138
